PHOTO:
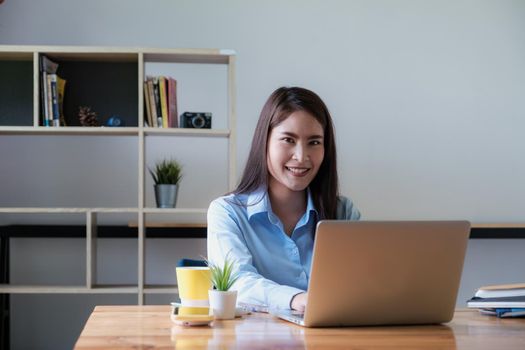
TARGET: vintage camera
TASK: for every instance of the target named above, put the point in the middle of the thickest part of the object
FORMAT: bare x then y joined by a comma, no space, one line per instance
195,120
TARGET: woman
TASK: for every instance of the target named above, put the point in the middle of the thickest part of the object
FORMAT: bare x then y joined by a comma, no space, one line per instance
267,224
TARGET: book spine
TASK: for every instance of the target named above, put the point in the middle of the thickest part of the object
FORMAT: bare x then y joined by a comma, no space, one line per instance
153,108
43,94
47,68
54,100
163,101
172,103
49,101
47,65
157,102
61,89
147,105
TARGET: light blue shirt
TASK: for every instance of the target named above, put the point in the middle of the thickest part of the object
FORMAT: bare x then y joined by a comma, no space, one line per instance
273,267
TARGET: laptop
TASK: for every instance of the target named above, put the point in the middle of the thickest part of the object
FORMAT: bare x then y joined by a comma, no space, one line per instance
383,273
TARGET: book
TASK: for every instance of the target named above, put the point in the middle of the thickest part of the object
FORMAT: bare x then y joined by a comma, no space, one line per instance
54,100
49,97
501,290
503,312
153,108
43,99
61,88
147,105
163,95
156,94
503,302
173,121
47,67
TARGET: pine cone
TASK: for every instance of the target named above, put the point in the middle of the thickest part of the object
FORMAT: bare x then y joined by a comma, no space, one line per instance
87,117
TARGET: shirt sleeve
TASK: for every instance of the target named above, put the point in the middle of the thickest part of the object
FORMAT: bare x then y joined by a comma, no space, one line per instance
346,210
225,237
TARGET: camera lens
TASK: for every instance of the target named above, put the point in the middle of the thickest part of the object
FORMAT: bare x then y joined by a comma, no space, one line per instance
198,122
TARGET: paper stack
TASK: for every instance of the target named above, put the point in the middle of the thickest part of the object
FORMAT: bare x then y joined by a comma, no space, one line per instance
505,300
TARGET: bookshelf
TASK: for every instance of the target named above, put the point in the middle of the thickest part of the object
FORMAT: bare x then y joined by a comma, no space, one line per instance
87,71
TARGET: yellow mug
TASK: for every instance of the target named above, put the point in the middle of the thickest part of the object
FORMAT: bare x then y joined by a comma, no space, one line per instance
194,282
193,310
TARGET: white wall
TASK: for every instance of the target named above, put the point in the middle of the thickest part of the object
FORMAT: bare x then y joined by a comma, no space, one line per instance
427,96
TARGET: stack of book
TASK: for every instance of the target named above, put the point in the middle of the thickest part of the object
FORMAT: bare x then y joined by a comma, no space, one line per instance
160,99
506,300
51,93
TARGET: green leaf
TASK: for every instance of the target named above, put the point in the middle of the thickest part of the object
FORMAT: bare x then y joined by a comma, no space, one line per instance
222,277
166,172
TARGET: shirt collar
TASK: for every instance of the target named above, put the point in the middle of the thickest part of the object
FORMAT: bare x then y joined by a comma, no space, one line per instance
310,208
259,202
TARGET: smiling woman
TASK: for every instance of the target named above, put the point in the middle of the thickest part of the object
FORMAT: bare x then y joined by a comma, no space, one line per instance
290,182
282,104
295,154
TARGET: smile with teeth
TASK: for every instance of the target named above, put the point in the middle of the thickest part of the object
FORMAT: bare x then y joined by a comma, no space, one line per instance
297,171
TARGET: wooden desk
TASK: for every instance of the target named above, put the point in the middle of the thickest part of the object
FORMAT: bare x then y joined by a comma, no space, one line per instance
132,327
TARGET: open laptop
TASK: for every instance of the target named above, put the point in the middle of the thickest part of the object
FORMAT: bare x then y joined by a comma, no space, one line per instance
383,273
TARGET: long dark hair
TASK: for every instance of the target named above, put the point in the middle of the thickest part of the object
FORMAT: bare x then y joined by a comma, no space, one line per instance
281,103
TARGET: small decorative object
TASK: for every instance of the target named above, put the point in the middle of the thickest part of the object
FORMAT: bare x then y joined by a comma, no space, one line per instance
115,121
223,300
87,117
166,176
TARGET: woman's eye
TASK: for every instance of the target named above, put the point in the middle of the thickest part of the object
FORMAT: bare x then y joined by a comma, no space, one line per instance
315,142
288,140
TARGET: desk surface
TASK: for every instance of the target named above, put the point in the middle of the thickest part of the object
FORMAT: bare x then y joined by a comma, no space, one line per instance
132,327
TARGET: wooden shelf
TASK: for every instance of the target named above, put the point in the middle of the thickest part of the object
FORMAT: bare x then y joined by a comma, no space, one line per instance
78,130
113,289
161,289
87,71
68,130
39,289
41,210
187,132
169,224
209,56
175,210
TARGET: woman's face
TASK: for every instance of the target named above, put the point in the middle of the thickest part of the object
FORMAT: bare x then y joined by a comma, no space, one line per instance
295,152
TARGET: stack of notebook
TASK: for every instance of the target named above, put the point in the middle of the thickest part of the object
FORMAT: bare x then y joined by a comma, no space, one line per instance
506,300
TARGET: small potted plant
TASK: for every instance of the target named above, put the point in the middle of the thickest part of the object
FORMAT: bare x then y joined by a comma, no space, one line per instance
223,300
166,175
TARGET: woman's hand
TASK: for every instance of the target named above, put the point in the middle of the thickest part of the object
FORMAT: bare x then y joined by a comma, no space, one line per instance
299,302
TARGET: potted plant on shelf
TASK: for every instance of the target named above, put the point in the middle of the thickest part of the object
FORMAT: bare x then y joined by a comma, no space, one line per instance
223,301
166,175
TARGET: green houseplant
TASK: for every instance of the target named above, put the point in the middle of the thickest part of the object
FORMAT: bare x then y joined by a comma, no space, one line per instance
223,300
166,175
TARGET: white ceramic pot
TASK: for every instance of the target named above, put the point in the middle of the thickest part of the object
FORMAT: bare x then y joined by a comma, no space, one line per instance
223,304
